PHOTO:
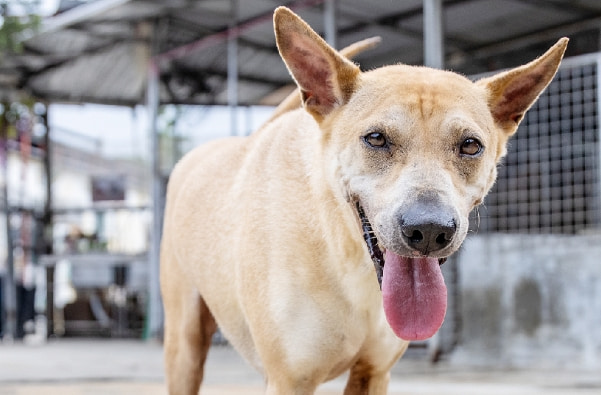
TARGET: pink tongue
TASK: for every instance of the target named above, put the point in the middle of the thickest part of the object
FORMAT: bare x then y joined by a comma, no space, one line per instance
414,295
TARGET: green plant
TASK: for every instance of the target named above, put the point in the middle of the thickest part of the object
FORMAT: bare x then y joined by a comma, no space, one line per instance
16,18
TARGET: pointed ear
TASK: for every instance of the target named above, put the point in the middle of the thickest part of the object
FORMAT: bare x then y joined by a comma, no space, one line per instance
325,78
511,93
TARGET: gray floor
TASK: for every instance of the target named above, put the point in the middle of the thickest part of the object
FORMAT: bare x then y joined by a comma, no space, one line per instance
111,367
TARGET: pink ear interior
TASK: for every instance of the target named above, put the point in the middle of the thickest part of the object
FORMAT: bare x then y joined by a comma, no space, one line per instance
511,93
520,92
312,71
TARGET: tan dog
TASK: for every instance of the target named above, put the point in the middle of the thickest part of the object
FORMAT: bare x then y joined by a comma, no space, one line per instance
270,236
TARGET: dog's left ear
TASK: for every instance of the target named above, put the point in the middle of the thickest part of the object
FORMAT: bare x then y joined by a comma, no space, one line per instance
511,93
325,78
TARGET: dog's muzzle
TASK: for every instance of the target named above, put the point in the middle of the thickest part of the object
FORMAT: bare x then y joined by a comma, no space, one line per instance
372,244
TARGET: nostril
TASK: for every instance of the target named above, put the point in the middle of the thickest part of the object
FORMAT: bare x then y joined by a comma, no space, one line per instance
416,237
442,239
427,226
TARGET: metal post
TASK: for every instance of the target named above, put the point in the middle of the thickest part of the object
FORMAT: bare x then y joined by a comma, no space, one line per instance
48,224
154,317
47,219
329,22
232,69
433,34
597,214
249,120
9,293
433,57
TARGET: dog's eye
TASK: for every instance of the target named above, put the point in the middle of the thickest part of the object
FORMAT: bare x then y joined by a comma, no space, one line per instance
470,147
376,140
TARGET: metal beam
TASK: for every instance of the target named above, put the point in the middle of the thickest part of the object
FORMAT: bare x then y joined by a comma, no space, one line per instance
433,34
519,42
220,36
76,15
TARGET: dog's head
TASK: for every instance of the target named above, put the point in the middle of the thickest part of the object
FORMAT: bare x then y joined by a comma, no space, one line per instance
413,150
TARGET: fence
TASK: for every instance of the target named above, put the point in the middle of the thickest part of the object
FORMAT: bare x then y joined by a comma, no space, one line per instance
550,180
532,299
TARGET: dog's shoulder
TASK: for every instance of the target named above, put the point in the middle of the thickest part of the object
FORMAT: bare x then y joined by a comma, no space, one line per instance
215,160
278,151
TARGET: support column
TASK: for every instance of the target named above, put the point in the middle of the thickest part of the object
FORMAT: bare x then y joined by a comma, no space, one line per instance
329,22
154,314
8,287
597,215
433,34
48,223
433,57
232,69
47,219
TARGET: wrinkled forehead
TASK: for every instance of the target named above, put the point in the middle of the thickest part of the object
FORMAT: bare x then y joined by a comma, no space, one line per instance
419,94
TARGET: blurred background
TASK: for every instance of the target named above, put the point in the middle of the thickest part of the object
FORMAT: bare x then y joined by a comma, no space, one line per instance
100,98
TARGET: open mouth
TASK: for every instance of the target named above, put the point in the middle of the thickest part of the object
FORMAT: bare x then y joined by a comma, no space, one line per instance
414,295
372,245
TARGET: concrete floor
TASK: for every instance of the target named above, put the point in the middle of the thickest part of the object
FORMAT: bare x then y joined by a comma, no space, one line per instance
125,367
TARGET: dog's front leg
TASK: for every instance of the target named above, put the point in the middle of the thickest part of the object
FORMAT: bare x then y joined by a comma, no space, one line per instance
363,381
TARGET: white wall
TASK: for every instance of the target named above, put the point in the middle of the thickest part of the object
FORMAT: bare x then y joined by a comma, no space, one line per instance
530,300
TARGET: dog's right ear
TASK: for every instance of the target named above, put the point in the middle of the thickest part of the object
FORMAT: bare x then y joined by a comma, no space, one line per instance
511,93
325,78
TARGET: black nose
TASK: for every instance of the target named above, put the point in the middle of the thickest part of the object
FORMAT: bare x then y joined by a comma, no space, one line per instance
428,226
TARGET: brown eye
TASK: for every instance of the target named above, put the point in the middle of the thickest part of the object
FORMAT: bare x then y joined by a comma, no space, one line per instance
470,147
376,140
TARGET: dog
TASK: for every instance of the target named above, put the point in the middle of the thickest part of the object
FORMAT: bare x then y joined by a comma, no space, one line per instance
315,243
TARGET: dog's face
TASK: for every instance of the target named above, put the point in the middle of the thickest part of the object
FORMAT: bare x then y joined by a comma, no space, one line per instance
413,150
417,149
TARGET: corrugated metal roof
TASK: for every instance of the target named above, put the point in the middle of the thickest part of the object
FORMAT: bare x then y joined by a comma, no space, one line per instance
100,52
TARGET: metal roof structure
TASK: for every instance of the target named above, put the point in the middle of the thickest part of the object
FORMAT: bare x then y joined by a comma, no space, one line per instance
100,51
